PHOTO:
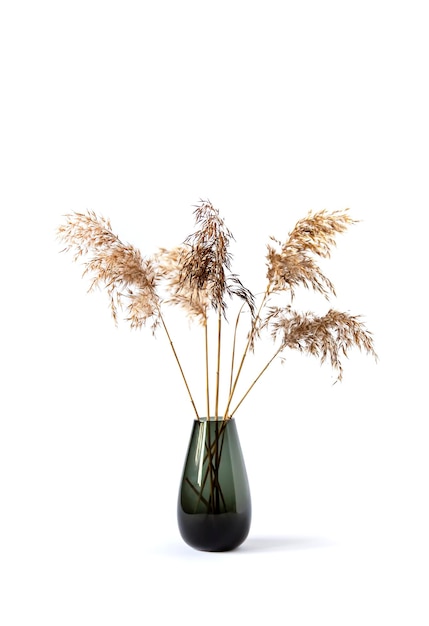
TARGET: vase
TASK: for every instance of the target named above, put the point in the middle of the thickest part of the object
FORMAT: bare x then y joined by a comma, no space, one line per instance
214,506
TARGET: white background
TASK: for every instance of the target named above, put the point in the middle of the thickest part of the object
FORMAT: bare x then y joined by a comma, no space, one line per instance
136,110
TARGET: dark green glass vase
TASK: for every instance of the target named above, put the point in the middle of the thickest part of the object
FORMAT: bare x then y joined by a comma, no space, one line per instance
214,507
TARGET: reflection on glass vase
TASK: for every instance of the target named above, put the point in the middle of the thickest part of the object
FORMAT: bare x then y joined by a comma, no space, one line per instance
214,507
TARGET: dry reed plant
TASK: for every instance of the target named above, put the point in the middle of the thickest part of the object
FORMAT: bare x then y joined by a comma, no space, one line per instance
197,277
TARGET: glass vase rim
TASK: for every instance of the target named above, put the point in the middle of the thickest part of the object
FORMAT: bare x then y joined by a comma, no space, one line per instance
220,418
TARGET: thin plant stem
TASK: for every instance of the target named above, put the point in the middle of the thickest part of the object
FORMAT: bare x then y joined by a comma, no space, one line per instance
179,364
206,340
219,340
256,379
246,349
234,343
210,462
213,458
198,493
217,459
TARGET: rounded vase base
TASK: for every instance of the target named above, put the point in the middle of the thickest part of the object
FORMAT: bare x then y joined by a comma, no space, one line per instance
214,532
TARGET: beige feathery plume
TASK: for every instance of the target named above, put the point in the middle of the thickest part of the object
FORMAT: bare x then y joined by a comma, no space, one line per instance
332,335
181,293
118,267
206,265
292,263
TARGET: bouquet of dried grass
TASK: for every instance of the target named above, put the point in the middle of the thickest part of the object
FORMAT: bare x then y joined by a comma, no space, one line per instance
197,277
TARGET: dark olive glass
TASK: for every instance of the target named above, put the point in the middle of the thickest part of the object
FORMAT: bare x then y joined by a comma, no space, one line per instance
214,506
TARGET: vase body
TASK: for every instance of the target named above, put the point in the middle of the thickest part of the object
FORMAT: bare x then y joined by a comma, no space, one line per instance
214,506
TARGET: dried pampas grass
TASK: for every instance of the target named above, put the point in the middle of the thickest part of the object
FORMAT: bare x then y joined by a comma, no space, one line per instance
197,277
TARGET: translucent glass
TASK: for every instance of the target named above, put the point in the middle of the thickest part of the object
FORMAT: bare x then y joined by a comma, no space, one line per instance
214,506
